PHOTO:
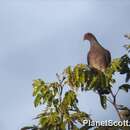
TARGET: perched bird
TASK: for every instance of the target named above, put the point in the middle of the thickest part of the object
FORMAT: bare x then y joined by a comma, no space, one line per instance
98,57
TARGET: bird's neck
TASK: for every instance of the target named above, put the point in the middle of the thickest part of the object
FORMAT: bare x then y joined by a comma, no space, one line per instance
94,42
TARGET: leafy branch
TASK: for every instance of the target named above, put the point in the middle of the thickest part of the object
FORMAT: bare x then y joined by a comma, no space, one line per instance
61,110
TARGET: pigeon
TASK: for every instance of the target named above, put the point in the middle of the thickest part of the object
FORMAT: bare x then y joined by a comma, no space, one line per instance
98,59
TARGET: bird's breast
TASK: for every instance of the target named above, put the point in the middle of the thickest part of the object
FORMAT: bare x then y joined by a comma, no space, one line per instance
96,59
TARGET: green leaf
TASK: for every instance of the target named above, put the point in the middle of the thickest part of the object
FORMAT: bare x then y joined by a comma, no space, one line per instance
103,100
74,127
55,102
43,121
76,72
125,87
37,100
82,78
127,76
62,126
29,128
37,85
93,83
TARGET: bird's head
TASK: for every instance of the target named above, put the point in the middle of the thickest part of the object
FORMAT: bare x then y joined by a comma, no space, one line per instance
89,36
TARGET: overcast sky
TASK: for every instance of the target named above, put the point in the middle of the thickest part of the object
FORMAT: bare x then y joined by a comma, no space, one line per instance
41,37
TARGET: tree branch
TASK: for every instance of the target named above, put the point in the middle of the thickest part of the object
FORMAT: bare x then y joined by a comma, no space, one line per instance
114,102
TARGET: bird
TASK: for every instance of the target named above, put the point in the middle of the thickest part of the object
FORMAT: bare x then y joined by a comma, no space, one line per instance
98,59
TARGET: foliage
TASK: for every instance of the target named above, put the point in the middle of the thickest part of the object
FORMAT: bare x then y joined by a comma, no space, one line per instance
61,110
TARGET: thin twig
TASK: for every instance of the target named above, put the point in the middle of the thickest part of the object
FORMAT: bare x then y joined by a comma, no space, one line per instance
117,92
60,93
114,103
61,86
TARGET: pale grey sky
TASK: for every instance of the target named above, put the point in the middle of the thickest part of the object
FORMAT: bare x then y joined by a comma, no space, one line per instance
41,37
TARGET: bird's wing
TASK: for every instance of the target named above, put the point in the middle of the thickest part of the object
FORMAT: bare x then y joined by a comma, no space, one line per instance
108,57
99,59
88,58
